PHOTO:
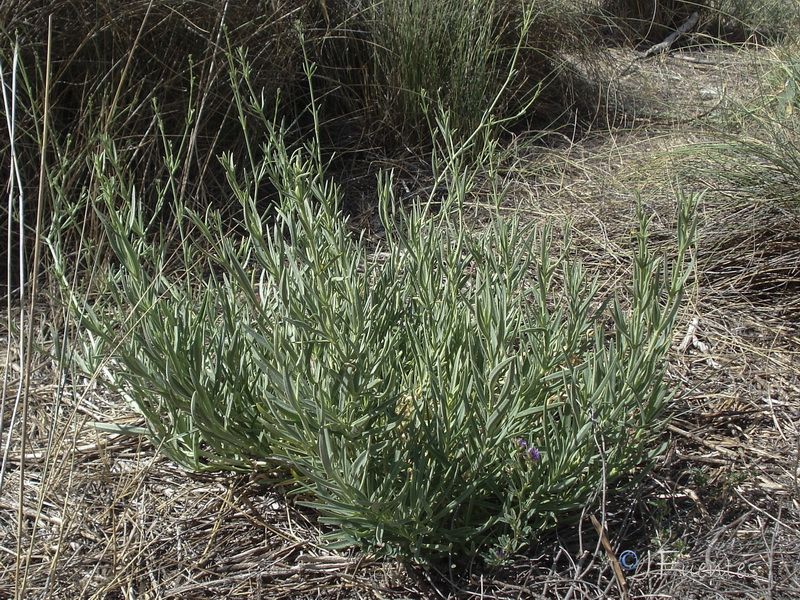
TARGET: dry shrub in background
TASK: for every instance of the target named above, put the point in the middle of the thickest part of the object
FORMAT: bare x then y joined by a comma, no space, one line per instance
149,75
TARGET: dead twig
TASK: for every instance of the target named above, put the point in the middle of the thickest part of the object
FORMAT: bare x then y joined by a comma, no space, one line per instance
618,574
699,440
671,38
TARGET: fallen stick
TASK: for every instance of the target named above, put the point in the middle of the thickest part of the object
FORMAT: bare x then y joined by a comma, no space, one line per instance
670,39
701,441
618,574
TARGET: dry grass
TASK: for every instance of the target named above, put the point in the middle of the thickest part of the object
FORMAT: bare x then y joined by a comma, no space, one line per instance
103,516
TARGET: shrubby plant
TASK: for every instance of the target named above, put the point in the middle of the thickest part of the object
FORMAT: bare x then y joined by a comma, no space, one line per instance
450,391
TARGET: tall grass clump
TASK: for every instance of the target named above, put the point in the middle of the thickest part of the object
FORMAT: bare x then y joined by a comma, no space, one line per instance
442,54
756,150
449,392
395,63
751,164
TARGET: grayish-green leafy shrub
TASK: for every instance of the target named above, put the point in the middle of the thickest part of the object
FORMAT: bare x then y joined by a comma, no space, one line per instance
450,391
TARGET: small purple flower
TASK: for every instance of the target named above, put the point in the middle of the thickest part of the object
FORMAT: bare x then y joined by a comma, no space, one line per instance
532,452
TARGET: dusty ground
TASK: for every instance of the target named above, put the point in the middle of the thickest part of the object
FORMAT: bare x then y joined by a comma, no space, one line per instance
103,516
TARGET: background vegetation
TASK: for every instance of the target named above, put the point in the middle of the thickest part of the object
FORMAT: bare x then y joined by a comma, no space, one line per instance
196,188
